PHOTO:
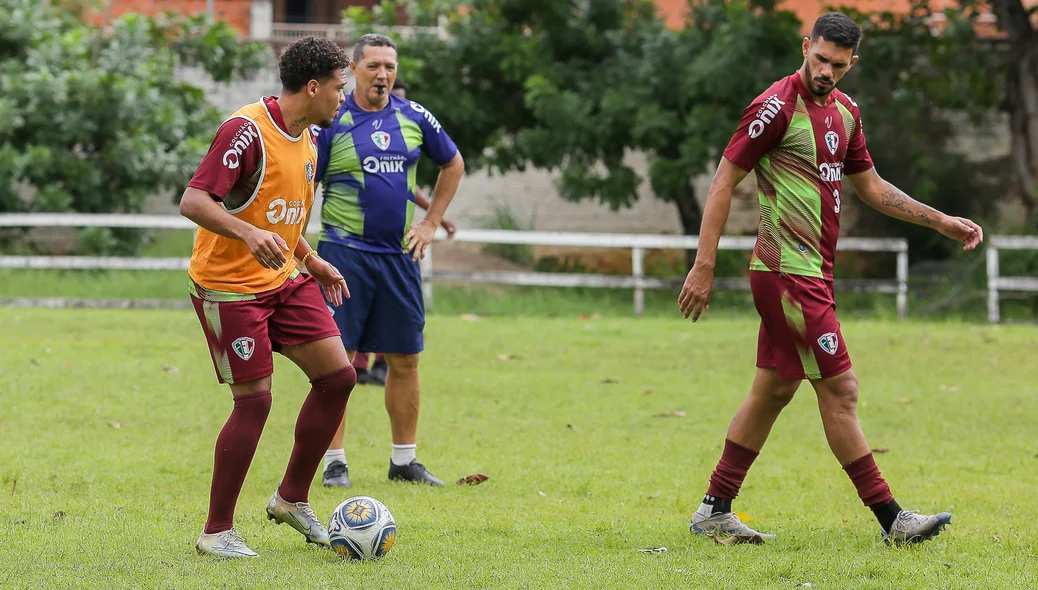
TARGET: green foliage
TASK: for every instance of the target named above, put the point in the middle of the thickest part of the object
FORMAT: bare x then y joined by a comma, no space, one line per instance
918,91
94,121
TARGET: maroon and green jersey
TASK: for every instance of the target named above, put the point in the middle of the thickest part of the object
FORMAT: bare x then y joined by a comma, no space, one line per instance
799,152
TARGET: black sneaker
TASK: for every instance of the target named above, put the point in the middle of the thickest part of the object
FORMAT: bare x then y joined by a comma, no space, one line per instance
413,472
379,370
364,377
337,475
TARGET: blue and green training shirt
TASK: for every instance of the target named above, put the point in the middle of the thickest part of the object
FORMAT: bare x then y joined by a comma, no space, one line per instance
368,163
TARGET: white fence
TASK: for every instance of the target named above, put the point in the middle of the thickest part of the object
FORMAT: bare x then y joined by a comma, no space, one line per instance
637,243
998,283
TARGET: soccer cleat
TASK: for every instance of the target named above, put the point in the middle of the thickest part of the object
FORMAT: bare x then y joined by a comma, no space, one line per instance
912,527
337,475
724,523
225,544
413,472
300,517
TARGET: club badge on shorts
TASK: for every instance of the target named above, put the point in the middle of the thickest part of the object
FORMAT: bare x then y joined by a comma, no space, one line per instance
244,347
828,342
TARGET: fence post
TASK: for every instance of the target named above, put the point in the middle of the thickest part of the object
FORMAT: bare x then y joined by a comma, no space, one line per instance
638,270
902,284
992,266
426,265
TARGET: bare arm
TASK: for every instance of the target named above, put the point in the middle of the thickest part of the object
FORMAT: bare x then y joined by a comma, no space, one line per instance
421,200
695,294
446,186
422,233
266,247
893,202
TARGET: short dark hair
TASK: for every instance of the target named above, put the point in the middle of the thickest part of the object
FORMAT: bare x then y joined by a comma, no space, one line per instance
399,83
310,58
373,40
838,28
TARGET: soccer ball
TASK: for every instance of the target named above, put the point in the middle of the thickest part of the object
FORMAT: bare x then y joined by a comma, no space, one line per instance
362,528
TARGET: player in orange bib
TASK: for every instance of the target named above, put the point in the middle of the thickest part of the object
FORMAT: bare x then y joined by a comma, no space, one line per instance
251,197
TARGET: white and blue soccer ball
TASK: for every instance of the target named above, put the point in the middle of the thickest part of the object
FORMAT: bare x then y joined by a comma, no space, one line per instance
362,528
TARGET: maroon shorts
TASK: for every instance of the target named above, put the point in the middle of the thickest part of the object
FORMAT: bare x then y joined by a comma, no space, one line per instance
244,330
799,333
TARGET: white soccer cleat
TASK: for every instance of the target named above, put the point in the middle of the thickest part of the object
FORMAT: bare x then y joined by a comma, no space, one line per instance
724,523
300,517
912,527
225,544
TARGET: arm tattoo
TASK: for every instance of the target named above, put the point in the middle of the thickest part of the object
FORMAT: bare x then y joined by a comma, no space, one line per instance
893,198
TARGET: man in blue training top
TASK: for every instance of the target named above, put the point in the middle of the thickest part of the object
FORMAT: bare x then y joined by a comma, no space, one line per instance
368,162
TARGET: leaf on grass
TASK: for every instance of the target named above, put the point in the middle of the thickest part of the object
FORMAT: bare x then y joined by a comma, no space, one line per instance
66,364
582,317
470,317
596,316
34,362
744,517
115,425
737,539
654,550
880,450
169,369
996,538
14,484
904,400
59,515
508,357
474,479
656,495
647,391
573,427
671,414
610,380
542,494
949,388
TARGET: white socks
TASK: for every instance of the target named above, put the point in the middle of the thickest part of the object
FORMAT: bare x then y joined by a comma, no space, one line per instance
333,455
404,454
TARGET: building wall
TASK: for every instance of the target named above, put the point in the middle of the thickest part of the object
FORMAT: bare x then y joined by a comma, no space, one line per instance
234,12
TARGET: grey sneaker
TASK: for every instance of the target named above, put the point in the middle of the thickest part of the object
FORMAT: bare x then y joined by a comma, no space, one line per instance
300,517
725,523
337,475
912,527
226,544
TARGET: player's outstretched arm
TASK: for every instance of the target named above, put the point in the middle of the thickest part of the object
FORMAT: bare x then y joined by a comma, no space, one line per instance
695,294
892,201
266,247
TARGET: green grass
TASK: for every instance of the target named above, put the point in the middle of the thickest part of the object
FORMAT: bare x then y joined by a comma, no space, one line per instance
89,505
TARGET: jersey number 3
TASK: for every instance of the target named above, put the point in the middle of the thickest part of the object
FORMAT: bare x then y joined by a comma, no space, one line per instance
836,195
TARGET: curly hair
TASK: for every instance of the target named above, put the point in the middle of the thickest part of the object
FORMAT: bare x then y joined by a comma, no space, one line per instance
310,58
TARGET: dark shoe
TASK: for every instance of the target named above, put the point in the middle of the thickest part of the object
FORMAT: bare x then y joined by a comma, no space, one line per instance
379,370
364,377
337,475
414,472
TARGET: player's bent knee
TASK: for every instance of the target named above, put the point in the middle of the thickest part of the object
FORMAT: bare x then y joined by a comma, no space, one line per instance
402,363
340,382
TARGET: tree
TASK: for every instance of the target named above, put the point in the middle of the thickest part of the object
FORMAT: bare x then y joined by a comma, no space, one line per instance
94,120
920,89
1021,96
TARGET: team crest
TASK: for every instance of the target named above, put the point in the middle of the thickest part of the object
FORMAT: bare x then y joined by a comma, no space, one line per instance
832,140
829,342
309,172
244,347
381,139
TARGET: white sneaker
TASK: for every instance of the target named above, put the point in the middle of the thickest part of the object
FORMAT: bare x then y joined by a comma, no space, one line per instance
912,527
300,517
226,544
725,523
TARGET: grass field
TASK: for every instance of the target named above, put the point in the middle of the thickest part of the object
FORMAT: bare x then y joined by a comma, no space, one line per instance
109,418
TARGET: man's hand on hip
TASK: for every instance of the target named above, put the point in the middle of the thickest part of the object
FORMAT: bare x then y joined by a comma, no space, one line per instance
419,238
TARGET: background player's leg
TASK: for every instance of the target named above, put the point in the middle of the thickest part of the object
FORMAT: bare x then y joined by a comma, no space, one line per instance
235,448
402,398
326,364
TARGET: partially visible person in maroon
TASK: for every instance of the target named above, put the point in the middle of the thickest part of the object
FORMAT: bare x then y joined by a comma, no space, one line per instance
251,197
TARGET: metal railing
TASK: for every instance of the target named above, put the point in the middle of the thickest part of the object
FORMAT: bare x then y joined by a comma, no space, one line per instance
636,243
996,282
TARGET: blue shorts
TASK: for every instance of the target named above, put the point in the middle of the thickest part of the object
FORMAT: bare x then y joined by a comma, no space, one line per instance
386,311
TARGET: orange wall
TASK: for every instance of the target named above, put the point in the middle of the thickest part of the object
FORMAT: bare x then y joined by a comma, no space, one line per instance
235,12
